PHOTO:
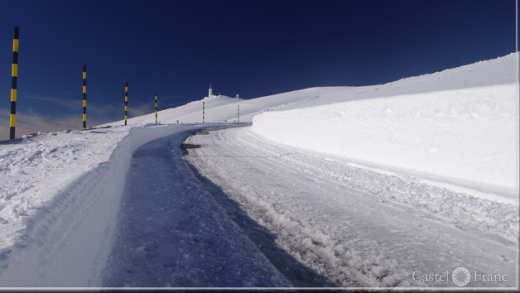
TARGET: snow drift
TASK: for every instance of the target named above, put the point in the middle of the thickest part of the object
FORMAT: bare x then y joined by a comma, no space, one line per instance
467,134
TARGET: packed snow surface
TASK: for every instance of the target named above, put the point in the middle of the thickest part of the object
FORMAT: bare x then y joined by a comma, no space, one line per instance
357,226
336,186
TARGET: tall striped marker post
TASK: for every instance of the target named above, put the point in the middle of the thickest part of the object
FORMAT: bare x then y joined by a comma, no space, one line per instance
84,97
126,101
155,107
203,110
14,75
238,113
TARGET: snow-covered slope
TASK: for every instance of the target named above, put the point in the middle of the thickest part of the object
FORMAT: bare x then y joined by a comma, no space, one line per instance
60,192
459,125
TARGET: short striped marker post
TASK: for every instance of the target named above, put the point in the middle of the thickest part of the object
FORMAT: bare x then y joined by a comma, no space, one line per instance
238,113
203,110
84,97
14,76
155,107
126,101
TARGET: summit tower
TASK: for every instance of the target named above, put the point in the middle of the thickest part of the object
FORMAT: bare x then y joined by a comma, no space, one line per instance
210,94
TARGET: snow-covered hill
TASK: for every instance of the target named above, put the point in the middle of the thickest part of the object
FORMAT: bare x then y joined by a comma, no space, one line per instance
61,192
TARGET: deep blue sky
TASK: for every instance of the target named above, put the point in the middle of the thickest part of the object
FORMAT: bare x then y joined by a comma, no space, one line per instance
252,48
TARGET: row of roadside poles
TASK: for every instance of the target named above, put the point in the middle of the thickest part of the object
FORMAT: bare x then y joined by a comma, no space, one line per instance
14,78
126,100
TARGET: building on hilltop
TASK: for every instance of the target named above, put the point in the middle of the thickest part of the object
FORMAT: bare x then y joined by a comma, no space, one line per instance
210,93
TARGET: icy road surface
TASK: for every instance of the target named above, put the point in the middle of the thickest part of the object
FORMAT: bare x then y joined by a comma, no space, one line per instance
355,225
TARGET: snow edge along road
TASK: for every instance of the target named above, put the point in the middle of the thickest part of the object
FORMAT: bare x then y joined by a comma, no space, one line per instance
66,241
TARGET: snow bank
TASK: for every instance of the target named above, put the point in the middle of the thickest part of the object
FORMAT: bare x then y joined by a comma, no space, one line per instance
467,134
58,231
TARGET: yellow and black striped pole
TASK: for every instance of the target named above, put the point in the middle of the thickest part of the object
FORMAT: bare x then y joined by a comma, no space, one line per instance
14,75
238,113
126,101
155,107
203,110
84,97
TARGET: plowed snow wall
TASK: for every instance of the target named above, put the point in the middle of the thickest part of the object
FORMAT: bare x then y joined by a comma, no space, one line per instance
468,134
68,243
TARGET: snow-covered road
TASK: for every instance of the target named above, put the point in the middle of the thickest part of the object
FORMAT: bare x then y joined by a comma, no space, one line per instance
354,224
171,232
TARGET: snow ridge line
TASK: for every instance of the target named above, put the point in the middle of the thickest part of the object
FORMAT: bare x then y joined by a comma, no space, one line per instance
66,243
